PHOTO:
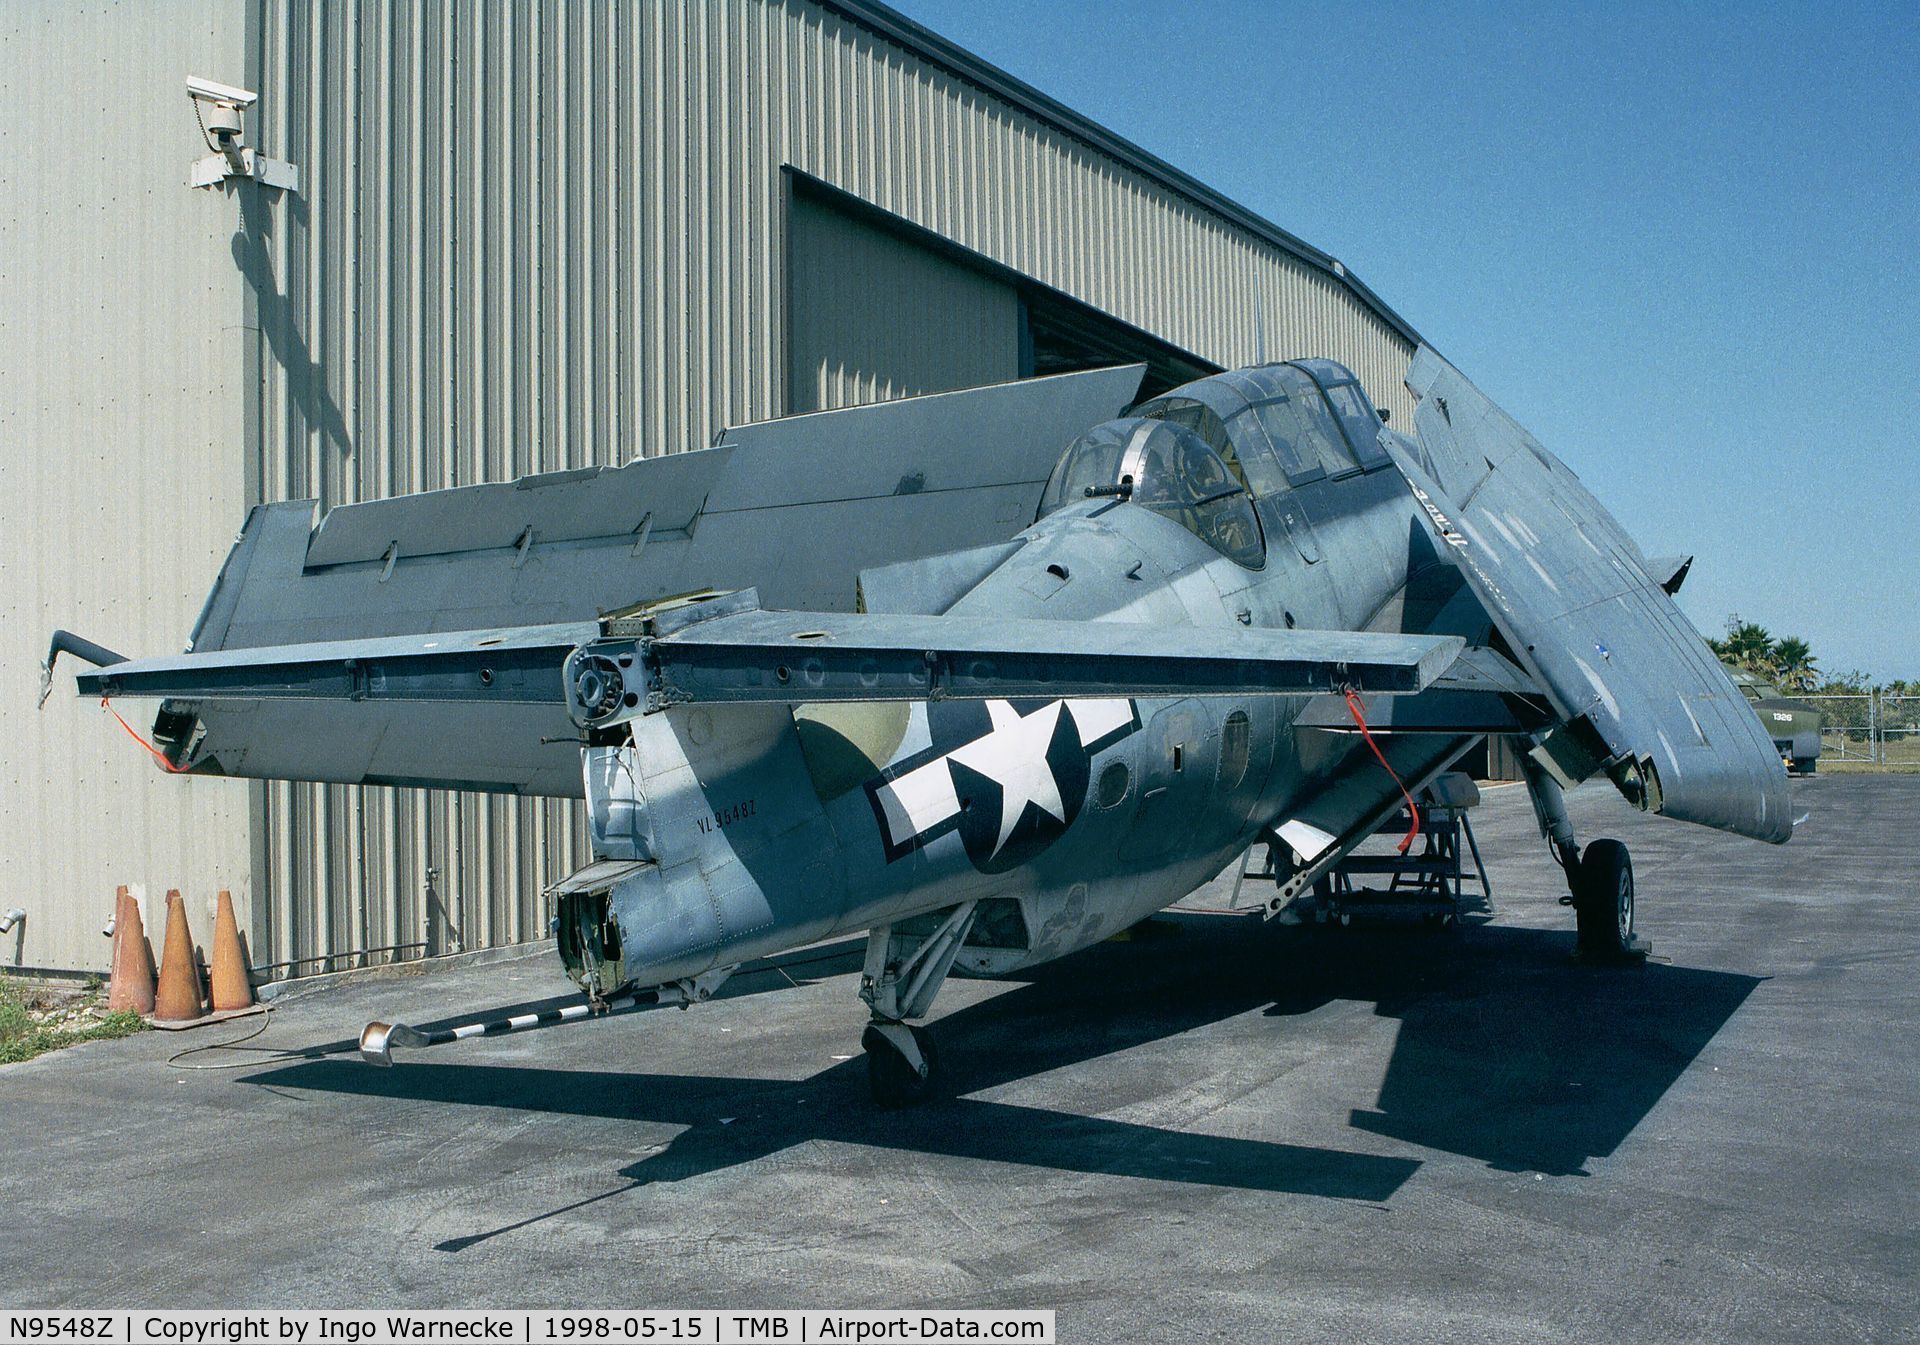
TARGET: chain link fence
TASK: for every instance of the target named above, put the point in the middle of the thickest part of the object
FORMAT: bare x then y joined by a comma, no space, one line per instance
1870,726
1899,722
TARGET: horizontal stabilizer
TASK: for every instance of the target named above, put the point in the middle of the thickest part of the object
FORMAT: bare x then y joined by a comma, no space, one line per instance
1670,572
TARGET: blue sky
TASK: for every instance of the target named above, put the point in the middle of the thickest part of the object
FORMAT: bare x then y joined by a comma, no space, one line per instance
1679,243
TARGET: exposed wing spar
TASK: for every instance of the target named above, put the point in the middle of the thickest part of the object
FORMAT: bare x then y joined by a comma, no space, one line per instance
811,656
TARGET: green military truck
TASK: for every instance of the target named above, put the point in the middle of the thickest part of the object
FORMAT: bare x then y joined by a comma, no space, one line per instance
1794,725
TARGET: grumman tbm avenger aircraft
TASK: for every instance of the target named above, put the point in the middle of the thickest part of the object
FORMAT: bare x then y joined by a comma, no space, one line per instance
911,670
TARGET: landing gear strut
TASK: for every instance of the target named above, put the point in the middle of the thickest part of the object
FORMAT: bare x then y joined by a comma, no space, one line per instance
906,965
1599,879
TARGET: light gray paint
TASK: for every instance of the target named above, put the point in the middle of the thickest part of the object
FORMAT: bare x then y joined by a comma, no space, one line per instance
527,239
1574,600
480,707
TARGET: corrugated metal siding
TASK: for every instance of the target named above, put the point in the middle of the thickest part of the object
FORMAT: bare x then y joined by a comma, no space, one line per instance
547,235
121,480
871,316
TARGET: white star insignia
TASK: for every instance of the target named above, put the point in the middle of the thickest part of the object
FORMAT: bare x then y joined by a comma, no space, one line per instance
1014,756
919,801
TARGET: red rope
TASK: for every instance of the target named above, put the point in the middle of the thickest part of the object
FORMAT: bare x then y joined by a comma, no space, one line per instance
158,755
1353,708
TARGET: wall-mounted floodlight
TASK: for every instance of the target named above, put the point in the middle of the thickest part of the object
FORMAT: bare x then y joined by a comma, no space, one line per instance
220,109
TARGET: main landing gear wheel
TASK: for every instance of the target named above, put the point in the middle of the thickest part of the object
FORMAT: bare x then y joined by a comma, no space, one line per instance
1603,903
895,1076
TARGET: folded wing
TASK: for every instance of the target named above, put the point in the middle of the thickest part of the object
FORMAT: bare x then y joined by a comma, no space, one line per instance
1587,617
501,709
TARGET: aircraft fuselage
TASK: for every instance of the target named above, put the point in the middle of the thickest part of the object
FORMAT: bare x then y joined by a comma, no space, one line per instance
753,829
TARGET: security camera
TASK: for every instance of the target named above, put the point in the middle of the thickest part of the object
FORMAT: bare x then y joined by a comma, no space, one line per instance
212,91
222,122
220,109
220,106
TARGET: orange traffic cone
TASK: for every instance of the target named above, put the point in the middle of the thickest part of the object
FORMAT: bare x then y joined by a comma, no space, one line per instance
178,999
231,988
131,984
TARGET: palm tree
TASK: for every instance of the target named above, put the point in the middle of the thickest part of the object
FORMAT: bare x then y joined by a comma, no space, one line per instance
1748,645
1793,664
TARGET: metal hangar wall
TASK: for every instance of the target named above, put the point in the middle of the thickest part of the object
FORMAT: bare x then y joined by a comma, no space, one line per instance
532,238
122,474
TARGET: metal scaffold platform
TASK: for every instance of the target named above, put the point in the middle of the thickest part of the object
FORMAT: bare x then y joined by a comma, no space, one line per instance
1438,879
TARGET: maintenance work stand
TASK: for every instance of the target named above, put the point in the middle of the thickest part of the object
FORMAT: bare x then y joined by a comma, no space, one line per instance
1439,880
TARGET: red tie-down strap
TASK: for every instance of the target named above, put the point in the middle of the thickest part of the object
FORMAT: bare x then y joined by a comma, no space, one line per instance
158,755
1353,708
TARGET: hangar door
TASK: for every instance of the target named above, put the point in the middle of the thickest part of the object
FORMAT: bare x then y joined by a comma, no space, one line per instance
873,316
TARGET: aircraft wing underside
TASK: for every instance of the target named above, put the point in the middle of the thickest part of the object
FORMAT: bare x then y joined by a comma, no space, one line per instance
1632,684
502,709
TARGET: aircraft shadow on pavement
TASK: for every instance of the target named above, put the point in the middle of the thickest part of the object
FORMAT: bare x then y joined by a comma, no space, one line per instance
1507,1052
1512,1054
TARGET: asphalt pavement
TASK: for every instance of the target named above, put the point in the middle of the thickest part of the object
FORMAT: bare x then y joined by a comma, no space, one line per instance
1216,1129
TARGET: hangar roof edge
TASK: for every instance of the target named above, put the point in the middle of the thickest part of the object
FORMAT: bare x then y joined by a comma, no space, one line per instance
923,41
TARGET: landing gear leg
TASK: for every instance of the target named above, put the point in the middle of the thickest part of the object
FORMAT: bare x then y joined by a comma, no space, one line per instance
1599,880
906,965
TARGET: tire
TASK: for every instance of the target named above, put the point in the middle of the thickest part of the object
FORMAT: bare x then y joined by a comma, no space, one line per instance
1603,905
1805,765
893,1082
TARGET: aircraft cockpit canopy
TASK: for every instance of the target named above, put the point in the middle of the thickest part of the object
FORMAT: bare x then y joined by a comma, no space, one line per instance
1285,424
1169,469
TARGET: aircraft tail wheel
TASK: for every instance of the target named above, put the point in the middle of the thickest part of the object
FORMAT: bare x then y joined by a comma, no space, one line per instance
895,1077
1603,902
